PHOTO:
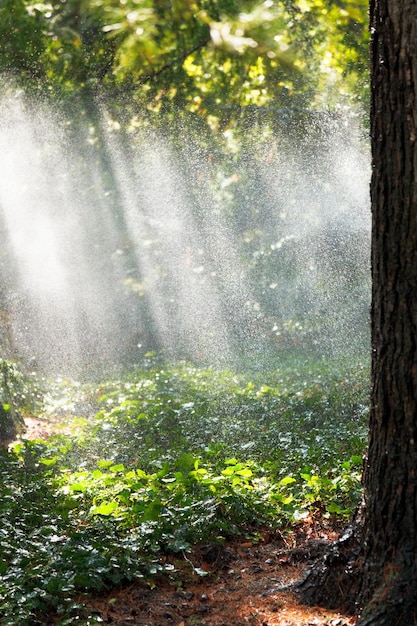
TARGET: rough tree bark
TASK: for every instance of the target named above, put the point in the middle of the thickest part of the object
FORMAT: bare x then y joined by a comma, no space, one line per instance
389,577
381,571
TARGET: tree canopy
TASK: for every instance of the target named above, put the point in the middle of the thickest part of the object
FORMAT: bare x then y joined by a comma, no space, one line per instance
201,56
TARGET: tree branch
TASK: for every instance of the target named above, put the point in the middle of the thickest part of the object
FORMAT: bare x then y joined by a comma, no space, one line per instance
167,66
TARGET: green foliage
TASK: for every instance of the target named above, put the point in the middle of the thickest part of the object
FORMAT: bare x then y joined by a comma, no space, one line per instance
22,39
194,55
302,414
46,555
169,457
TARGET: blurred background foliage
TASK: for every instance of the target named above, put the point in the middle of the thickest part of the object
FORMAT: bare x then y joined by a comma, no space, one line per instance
201,57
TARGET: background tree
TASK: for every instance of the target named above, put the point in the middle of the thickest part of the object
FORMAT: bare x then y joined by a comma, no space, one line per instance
196,55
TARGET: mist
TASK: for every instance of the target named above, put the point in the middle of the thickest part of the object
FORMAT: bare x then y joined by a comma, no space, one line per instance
120,242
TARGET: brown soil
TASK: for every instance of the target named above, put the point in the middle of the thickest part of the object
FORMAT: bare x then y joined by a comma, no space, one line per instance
39,428
241,583
244,585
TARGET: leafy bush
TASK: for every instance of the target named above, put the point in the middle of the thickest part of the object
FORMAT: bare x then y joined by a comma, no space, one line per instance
308,414
166,458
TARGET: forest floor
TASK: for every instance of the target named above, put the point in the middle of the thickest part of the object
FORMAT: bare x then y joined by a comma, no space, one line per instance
241,583
241,588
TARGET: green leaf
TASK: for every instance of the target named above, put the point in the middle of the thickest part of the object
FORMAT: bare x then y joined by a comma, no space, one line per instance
246,472
103,463
334,508
49,462
288,480
105,508
117,468
82,486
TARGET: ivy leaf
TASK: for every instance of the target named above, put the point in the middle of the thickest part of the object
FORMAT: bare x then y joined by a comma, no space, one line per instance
105,508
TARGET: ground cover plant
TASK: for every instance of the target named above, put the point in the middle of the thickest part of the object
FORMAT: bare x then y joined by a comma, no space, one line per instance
152,462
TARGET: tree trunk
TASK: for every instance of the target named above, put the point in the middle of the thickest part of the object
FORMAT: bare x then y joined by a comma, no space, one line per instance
386,564
389,577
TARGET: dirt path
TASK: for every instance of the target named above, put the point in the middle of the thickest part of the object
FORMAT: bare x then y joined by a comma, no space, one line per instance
40,428
241,588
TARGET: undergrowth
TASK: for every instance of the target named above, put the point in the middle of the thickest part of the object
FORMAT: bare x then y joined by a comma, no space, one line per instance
162,459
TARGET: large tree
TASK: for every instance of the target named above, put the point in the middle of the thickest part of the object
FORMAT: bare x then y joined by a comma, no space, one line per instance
373,570
389,577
